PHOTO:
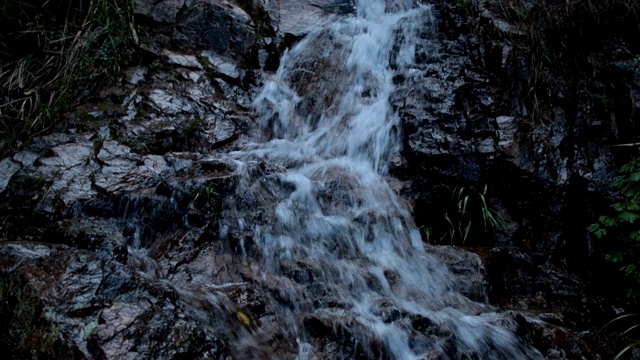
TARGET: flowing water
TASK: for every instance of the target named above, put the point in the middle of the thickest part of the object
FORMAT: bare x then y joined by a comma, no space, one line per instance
325,118
338,245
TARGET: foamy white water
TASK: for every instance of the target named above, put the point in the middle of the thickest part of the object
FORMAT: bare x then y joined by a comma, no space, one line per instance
326,120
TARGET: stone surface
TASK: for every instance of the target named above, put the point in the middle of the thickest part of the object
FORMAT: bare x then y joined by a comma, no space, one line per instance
132,238
73,304
468,122
161,11
217,26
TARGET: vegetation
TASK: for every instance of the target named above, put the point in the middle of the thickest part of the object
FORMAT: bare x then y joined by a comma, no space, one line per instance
632,325
54,55
621,226
466,218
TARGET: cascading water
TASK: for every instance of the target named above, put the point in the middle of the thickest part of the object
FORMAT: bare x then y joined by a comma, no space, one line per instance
340,245
330,241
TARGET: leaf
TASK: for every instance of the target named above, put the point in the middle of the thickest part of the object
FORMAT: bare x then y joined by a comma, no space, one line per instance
633,205
427,232
466,232
243,318
621,317
593,227
464,204
631,329
618,207
615,258
600,233
446,217
628,269
628,216
627,348
608,221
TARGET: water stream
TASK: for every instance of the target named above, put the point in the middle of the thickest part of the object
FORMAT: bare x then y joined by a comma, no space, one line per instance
339,233
338,247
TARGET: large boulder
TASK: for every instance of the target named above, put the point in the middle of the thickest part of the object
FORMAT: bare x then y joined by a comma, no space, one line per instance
213,25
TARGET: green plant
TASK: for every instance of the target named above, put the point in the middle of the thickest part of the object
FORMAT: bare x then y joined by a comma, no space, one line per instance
467,216
633,327
620,225
55,55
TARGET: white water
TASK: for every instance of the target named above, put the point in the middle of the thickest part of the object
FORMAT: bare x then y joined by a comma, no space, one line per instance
327,122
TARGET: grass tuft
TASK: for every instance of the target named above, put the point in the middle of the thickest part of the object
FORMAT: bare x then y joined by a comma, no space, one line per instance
54,55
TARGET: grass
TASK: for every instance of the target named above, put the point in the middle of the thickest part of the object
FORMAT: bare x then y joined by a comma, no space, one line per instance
630,328
466,218
55,55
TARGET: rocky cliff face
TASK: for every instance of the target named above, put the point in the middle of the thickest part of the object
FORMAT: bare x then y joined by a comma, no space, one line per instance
542,147
114,229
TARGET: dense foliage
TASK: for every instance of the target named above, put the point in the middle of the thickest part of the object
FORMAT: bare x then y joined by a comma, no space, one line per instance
620,226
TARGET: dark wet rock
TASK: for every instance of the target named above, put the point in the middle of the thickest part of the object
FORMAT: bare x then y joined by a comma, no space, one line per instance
98,235
554,342
136,240
468,121
8,167
467,270
187,103
214,25
160,11
297,17
217,26
340,337
64,303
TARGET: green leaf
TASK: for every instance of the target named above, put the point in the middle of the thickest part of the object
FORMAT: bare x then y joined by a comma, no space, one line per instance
600,233
593,227
607,221
628,269
464,204
627,348
633,205
628,216
466,232
614,258
427,232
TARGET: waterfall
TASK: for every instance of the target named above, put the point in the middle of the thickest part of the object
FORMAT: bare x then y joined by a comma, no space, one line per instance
339,244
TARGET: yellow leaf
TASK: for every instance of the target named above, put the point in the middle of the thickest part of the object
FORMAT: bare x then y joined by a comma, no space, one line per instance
243,318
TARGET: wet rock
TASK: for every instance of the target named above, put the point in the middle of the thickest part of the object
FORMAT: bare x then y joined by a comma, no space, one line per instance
137,74
344,333
161,11
554,342
73,304
297,17
167,103
98,235
8,167
467,121
222,66
187,61
217,26
467,269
